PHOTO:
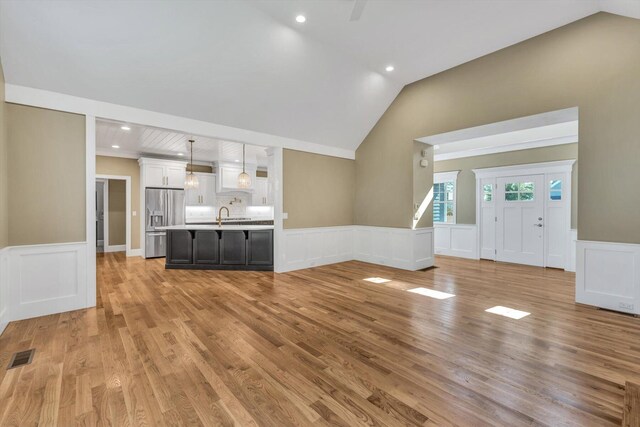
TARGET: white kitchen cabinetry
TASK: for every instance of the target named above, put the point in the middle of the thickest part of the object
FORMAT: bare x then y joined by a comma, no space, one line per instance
162,173
228,177
261,195
205,194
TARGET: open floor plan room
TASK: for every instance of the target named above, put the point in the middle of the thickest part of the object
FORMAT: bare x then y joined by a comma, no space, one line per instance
320,212
323,346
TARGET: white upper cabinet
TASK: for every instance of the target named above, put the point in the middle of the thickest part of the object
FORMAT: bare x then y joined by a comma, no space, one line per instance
162,173
205,194
228,177
261,195
176,176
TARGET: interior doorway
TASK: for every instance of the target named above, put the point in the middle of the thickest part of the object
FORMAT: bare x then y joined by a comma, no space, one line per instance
101,202
113,213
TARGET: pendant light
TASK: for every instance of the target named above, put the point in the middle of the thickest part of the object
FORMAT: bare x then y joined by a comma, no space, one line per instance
244,180
192,180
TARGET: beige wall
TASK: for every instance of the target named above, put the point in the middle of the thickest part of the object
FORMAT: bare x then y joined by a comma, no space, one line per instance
117,212
593,64
125,167
318,190
200,168
46,176
466,191
4,173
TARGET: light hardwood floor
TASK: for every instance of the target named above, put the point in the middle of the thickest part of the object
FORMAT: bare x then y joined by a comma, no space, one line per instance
322,346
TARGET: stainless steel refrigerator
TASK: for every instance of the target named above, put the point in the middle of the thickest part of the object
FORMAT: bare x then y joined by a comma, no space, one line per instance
163,207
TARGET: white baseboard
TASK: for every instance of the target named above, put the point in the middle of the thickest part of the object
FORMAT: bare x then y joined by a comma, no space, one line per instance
115,248
608,275
396,247
135,252
459,240
46,279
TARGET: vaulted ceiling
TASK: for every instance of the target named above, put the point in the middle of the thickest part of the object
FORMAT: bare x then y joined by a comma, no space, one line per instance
249,64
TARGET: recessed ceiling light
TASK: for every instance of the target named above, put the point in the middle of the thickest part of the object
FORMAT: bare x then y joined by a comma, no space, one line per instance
115,146
180,154
125,128
301,19
237,161
389,68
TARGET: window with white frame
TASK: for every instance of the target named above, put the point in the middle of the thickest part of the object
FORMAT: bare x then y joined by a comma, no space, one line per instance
444,197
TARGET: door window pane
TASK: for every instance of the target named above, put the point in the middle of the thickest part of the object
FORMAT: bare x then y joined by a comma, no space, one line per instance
519,191
525,186
555,189
487,191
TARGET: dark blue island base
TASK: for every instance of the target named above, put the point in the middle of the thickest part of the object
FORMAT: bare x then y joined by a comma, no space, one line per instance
220,249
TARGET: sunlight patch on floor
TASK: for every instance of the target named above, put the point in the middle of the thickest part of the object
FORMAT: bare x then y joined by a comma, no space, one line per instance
376,280
507,312
431,293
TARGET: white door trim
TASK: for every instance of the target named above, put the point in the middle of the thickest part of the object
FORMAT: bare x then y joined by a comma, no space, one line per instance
546,168
105,213
127,196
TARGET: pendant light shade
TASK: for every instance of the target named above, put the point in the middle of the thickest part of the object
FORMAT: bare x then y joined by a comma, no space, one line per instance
192,181
244,180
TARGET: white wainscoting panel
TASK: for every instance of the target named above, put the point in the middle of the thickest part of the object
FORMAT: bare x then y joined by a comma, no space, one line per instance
608,275
4,288
396,247
47,279
311,247
459,240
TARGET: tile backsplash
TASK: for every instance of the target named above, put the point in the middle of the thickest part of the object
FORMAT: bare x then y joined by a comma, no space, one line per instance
235,202
239,205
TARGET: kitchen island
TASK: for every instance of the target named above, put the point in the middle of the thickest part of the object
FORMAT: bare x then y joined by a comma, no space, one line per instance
214,247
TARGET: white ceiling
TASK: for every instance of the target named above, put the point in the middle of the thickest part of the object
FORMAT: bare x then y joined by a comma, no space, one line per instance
248,64
141,141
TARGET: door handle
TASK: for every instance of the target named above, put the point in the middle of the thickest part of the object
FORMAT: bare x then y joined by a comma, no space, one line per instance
537,225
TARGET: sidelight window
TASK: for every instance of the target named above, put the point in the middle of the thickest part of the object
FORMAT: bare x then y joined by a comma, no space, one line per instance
555,189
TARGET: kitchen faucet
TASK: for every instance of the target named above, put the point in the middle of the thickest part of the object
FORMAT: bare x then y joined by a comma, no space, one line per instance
219,219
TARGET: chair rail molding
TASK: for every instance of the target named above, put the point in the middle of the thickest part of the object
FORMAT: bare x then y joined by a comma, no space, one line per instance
608,275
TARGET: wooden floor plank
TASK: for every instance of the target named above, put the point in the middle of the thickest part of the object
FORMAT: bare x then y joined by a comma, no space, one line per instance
323,346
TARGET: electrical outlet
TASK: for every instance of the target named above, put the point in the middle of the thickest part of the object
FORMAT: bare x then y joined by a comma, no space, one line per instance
625,306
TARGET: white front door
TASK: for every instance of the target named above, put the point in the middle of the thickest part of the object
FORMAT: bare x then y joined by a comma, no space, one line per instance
519,219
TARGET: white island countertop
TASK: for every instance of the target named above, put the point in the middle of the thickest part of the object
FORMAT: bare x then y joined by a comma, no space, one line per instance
215,227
